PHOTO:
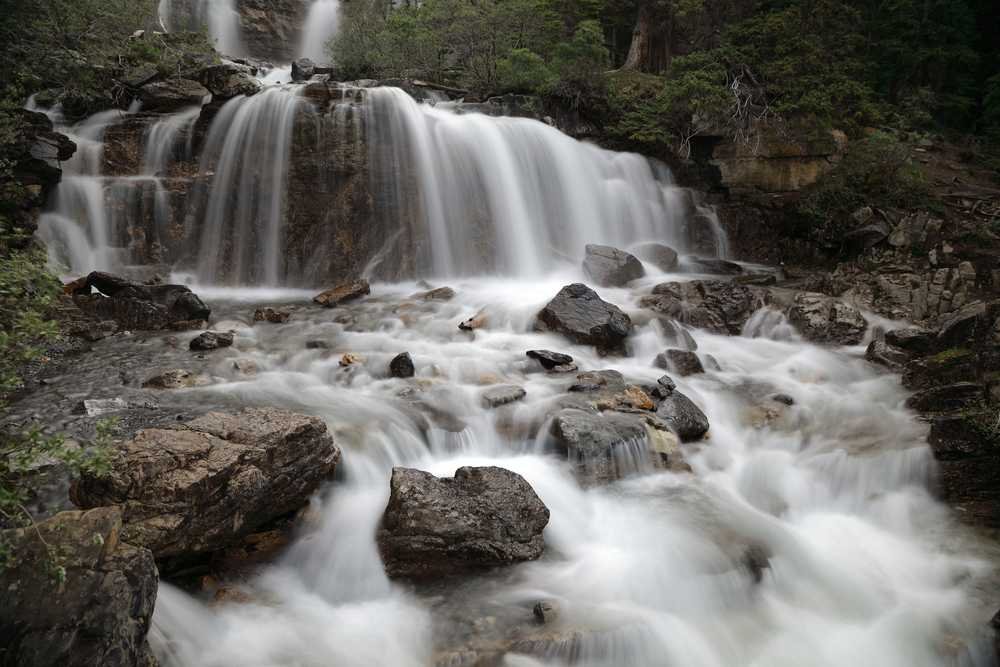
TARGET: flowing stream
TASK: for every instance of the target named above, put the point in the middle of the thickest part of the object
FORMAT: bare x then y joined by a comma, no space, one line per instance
864,566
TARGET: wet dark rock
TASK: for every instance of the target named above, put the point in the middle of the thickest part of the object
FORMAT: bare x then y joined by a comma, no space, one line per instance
822,319
303,69
611,267
481,518
665,385
756,559
583,317
99,615
401,366
137,307
172,95
549,359
343,293
912,339
598,381
659,255
784,399
719,307
712,265
963,326
198,487
966,446
494,397
882,353
682,362
684,417
593,440
545,611
211,340
228,80
176,379
271,315
946,398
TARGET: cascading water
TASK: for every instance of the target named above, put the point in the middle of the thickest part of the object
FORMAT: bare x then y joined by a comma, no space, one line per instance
220,17
321,25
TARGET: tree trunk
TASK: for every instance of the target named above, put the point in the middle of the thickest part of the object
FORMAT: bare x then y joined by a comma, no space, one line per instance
650,48
638,52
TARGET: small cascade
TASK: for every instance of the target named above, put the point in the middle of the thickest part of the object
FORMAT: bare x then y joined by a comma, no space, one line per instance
509,195
239,202
321,25
220,17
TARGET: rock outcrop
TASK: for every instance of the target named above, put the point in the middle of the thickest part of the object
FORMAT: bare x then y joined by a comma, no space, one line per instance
822,319
481,518
98,615
611,267
197,487
583,317
720,307
138,307
172,95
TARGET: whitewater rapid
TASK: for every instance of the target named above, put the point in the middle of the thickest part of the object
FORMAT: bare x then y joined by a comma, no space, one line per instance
865,567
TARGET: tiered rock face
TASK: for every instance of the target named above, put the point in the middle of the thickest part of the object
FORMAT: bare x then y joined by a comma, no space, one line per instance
271,28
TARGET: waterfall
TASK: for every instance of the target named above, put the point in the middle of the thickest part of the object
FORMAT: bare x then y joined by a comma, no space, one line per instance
220,17
510,194
241,211
321,25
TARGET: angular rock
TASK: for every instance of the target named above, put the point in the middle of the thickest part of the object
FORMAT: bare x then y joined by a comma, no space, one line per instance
401,366
659,255
343,293
719,307
228,80
683,417
494,397
99,615
211,340
583,317
594,440
598,381
271,315
912,339
303,69
682,362
946,398
549,359
138,307
881,353
611,267
963,326
198,487
172,95
481,518
822,319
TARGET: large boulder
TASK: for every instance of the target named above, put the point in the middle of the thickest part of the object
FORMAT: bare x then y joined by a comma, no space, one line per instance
591,439
681,414
303,69
720,307
198,487
138,307
172,95
480,518
582,316
611,267
659,255
228,80
822,319
98,614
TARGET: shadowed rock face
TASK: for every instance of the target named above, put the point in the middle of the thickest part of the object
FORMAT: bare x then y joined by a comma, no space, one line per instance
583,317
198,487
99,615
481,518
611,267
137,307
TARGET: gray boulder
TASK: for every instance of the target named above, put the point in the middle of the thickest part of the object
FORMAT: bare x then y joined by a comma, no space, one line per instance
583,317
401,366
603,445
682,362
659,255
720,307
481,518
100,613
228,80
303,69
211,340
682,416
172,95
823,319
198,487
611,267
503,394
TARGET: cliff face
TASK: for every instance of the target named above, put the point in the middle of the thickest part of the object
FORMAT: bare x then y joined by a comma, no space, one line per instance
272,28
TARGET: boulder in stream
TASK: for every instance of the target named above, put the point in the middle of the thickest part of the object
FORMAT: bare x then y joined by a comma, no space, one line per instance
502,394
611,267
271,315
714,305
556,362
682,416
583,317
137,307
480,518
682,362
343,293
659,255
198,487
211,340
401,366
98,615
